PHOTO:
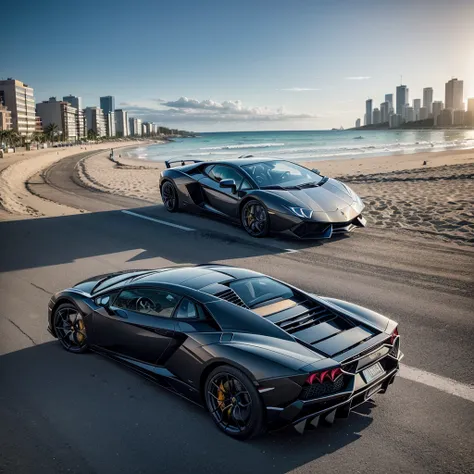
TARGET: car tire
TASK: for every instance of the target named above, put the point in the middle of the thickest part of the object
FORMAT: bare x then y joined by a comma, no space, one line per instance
242,417
169,196
70,329
255,219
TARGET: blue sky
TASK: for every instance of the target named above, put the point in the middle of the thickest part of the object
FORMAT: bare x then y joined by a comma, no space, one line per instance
239,65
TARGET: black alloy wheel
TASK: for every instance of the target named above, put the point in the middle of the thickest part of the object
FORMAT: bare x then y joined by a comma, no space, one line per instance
169,196
234,403
70,329
254,218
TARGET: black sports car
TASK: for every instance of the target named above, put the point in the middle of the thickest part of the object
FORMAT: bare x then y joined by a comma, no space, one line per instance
263,195
255,351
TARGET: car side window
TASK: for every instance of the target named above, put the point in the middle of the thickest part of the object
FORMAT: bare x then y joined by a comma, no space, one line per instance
147,301
189,310
245,186
220,172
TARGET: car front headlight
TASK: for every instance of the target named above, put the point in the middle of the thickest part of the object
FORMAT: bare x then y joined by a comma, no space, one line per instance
302,212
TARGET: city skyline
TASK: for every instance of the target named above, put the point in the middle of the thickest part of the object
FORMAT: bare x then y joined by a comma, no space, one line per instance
222,66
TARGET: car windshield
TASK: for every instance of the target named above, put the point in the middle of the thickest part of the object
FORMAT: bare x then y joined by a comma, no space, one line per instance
255,291
281,174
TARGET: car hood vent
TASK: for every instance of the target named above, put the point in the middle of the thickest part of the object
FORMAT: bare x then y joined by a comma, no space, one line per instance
232,297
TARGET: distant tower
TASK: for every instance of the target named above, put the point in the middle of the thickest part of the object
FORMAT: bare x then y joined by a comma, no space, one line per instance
454,95
402,98
389,99
368,111
376,116
437,108
416,108
357,124
428,99
107,104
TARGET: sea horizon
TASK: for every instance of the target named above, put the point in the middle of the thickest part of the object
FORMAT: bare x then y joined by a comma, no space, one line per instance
306,145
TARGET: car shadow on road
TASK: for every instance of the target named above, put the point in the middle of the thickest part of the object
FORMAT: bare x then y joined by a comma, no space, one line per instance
40,242
90,414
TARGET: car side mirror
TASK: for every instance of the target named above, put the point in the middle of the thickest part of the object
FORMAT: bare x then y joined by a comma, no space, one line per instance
228,183
103,301
314,170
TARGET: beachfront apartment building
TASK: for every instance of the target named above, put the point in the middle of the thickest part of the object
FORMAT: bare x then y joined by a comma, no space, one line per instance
417,107
437,108
121,123
423,113
395,120
76,102
402,99
376,116
139,127
459,117
133,126
19,99
5,118
384,111
357,124
454,94
368,112
389,99
410,114
445,118
107,104
95,121
110,124
62,114
428,99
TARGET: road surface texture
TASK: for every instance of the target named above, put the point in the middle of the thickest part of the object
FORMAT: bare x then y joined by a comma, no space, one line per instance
61,412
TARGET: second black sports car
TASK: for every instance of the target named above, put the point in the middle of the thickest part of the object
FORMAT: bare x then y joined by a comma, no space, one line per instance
263,195
255,351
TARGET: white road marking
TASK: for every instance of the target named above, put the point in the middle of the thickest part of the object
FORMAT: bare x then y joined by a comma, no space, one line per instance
158,221
444,384
291,251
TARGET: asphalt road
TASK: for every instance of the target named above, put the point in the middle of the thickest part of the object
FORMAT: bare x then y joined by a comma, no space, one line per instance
81,413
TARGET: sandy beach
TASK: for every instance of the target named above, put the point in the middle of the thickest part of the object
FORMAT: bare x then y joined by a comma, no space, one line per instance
401,193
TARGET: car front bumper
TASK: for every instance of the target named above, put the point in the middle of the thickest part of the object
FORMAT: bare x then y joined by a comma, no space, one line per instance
325,230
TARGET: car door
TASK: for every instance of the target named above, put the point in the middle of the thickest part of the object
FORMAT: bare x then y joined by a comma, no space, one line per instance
224,200
136,322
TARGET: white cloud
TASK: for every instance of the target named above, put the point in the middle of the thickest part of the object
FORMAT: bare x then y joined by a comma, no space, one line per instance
185,108
358,78
299,89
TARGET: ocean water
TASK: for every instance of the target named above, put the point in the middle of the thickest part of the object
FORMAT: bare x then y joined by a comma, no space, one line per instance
307,145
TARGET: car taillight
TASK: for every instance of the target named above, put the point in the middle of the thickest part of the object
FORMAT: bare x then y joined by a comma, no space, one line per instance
326,375
394,336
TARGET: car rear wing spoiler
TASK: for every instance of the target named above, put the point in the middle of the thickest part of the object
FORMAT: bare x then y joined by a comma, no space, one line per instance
168,163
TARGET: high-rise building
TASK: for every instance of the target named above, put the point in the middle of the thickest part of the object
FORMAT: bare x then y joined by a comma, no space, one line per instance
110,124
417,107
395,120
357,124
384,111
459,117
437,108
133,126
59,113
368,112
454,95
402,98
445,118
423,113
376,116
409,114
20,101
5,118
389,99
470,104
428,99
76,102
121,123
107,104
95,121
139,128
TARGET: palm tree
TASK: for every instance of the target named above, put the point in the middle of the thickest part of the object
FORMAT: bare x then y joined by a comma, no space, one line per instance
51,130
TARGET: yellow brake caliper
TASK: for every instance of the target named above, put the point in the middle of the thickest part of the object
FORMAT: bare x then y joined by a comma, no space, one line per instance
221,399
80,335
